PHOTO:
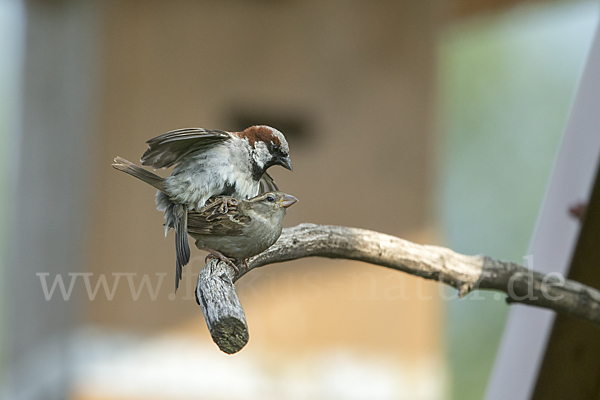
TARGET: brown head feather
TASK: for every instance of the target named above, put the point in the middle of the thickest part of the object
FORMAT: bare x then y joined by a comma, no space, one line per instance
259,133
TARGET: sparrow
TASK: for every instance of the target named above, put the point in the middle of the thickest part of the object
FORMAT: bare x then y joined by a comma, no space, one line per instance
247,228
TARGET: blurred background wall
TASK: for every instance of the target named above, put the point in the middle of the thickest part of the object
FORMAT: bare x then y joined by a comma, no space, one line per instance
377,100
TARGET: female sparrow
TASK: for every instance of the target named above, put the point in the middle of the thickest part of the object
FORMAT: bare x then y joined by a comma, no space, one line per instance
247,228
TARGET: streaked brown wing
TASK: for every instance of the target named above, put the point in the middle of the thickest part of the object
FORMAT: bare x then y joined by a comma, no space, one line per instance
167,149
210,221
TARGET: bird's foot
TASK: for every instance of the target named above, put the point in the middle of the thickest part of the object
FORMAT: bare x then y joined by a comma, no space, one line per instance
215,254
226,202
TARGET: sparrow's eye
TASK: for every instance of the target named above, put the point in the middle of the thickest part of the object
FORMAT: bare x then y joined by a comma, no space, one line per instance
270,198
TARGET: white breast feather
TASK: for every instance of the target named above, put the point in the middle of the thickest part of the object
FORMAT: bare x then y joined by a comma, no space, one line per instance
206,174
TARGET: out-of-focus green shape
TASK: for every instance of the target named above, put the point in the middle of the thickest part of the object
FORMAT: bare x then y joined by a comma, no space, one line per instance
507,81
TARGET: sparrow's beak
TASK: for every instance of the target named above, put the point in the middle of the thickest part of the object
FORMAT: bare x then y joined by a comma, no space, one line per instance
286,162
288,200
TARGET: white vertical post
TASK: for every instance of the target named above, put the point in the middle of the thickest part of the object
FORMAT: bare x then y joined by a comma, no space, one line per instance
527,329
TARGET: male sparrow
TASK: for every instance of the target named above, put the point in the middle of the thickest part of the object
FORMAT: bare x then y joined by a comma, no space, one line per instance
247,228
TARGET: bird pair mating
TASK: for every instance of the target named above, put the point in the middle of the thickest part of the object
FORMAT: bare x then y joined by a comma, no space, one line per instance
214,192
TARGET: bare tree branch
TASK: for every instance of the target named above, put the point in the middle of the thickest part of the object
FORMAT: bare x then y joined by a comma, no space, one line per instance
464,273
224,315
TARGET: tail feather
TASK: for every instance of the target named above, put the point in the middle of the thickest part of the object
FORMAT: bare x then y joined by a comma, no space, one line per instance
175,214
130,168
182,247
